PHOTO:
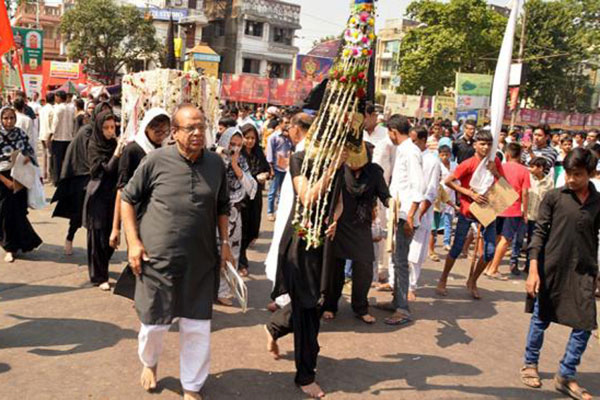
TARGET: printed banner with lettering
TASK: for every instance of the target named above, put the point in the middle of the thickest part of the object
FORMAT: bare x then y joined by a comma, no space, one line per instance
473,91
30,45
245,88
593,121
553,118
444,107
288,92
403,104
474,84
33,84
312,68
64,70
467,115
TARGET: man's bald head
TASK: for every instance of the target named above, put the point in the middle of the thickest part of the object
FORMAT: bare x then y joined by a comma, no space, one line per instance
299,126
189,129
186,111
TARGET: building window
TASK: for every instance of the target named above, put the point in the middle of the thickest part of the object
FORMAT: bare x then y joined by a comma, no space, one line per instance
251,66
279,70
219,28
283,35
392,46
385,85
254,28
386,66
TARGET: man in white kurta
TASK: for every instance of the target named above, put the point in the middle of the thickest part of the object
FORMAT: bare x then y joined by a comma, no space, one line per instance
420,243
384,154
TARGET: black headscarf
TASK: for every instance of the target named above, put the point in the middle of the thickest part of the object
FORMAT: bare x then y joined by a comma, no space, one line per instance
100,149
76,160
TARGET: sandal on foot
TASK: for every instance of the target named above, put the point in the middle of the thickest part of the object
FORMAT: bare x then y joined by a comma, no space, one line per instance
434,257
562,385
398,319
530,376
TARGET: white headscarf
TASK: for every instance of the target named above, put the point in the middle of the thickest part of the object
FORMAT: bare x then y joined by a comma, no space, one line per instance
141,138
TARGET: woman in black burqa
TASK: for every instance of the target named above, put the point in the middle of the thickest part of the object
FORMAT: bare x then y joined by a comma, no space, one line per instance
252,209
74,177
103,158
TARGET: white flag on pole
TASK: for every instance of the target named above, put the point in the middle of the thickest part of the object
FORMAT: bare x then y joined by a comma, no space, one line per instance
482,179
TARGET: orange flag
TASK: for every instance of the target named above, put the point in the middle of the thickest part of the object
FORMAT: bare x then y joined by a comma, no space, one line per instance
6,36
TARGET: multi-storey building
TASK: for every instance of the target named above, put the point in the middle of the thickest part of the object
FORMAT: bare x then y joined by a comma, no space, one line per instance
253,36
47,17
386,58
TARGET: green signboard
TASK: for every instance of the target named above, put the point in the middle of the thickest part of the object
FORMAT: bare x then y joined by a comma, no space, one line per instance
474,84
30,45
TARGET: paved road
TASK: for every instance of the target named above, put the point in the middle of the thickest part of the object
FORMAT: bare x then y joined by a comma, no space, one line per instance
60,338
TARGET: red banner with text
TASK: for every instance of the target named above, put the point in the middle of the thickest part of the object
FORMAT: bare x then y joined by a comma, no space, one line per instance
255,89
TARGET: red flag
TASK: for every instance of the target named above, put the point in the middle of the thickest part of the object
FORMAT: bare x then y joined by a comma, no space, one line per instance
7,40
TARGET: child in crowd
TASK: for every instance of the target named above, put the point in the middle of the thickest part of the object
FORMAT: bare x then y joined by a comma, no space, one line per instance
540,185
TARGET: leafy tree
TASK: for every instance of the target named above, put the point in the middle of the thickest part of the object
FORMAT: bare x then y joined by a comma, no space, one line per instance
461,35
108,36
562,40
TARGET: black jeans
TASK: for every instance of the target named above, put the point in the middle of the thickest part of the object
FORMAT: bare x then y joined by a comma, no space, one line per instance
362,276
58,150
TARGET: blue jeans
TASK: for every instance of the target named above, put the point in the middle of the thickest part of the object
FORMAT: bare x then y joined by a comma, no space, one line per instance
575,346
462,229
447,224
274,190
517,243
401,271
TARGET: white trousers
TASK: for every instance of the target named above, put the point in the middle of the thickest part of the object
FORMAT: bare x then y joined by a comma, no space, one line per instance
194,350
413,275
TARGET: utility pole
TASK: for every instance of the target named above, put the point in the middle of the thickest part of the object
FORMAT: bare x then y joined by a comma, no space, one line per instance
513,116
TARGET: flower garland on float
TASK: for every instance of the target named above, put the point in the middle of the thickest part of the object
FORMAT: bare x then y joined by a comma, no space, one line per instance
338,117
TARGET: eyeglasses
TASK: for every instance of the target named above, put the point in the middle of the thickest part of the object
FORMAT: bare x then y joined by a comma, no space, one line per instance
188,130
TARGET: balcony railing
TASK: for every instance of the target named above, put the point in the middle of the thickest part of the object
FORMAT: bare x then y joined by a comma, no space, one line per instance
273,10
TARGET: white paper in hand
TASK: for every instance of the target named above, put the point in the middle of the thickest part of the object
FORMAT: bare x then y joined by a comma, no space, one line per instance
23,173
237,285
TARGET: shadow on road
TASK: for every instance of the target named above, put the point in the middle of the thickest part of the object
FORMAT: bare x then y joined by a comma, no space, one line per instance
83,335
19,291
4,368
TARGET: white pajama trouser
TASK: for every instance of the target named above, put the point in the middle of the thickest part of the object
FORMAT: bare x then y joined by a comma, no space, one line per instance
413,275
194,350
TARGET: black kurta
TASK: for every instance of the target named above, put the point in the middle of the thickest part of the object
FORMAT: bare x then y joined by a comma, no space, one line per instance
130,160
313,268
565,242
353,236
70,191
178,229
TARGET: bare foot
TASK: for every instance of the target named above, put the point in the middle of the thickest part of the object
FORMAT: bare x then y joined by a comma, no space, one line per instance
9,257
472,288
187,395
313,390
412,295
68,248
367,319
328,316
148,378
441,289
272,346
225,301
272,306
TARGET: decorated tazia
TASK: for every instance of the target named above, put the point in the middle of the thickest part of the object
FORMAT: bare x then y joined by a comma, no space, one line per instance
339,122
167,89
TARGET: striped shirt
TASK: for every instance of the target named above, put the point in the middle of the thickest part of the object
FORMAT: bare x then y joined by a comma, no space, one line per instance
547,153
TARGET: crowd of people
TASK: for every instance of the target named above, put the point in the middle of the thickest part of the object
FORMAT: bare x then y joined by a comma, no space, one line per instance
185,210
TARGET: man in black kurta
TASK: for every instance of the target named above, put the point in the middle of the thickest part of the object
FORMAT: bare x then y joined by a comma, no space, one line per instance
564,266
173,248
